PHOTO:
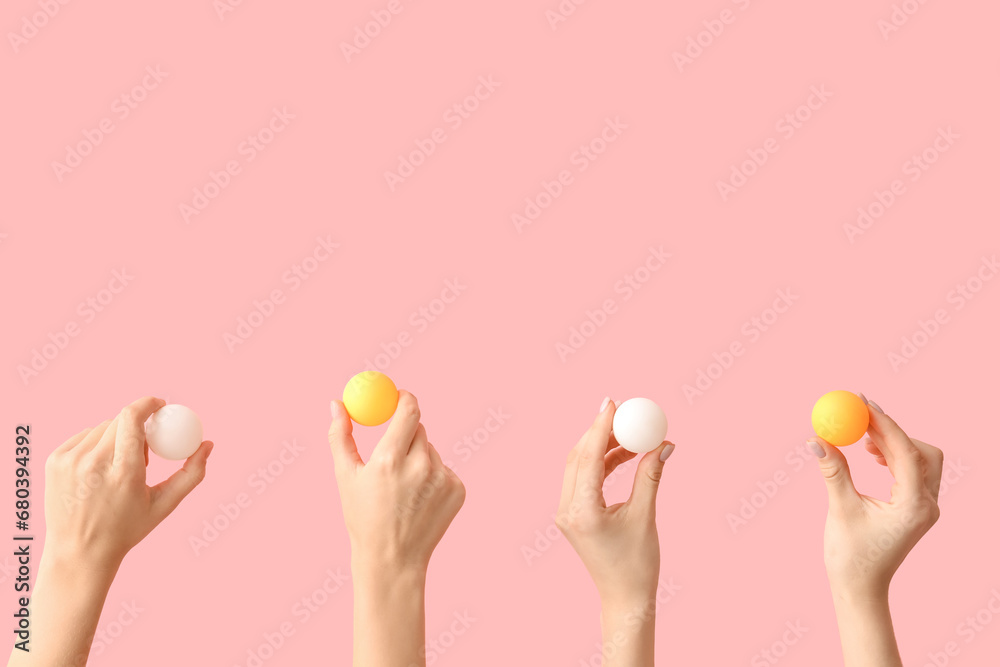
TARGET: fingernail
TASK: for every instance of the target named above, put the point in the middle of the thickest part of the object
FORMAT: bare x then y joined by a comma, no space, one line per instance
862,397
604,404
334,410
816,449
875,405
667,451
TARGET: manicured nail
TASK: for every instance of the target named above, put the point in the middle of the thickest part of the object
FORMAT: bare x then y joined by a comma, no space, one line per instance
816,449
667,451
875,405
862,397
604,404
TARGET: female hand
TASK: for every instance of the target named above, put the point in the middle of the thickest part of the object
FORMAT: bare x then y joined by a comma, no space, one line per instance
619,544
866,539
97,507
97,503
397,506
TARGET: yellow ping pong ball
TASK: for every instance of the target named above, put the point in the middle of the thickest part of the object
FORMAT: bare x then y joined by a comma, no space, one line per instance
840,418
370,398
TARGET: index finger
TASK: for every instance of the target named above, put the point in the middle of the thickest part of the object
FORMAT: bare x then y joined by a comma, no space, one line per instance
403,427
593,447
130,441
935,465
905,461
341,438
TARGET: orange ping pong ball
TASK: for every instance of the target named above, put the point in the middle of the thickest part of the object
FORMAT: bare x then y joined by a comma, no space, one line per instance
840,418
370,398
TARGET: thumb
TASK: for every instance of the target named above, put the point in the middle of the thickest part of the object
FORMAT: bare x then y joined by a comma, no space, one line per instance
647,477
169,493
345,450
836,472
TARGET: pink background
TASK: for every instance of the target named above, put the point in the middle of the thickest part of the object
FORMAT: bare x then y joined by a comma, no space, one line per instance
495,345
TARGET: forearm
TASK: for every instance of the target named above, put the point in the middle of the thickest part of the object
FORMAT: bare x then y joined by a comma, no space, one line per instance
866,634
388,617
627,632
65,607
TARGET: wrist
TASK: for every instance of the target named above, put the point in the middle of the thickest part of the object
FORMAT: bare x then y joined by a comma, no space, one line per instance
75,577
860,605
381,574
380,589
632,608
628,626
619,595
865,623
61,558
860,593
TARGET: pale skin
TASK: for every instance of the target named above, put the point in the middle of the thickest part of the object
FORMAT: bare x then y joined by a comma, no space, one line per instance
397,507
97,508
866,539
618,545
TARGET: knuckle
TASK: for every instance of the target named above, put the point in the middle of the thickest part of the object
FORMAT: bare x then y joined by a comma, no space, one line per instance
460,491
438,479
832,473
198,474
383,462
926,510
408,406
654,473
89,464
422,460
933,514
937,455
423,468
53,462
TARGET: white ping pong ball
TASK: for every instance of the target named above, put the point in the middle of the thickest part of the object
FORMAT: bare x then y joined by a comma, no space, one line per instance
174,432
639,425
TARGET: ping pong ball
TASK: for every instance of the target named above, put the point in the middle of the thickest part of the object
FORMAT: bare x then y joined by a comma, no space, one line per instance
174,432
639,425
840,418
370,398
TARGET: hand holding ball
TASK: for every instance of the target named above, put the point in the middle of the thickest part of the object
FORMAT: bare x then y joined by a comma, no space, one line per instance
639,425
174,432
840,418
370,398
